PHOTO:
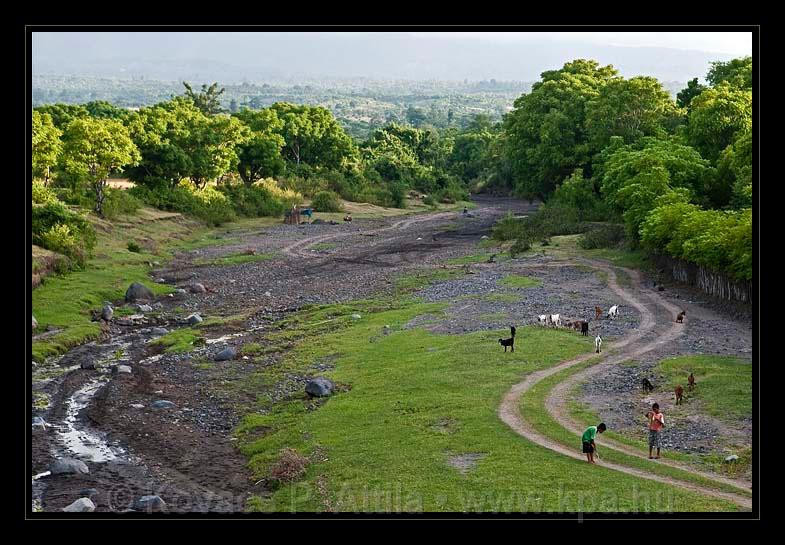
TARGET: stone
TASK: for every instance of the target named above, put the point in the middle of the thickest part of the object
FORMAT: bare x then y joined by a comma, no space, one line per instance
732,458
194,319
82,505
87,365
159,331
138,292
267,294
320,387
137,406
162,404
149,503
228,353
107,312
196,287
88,492
144,308
356,316
179,291
69,465
121,369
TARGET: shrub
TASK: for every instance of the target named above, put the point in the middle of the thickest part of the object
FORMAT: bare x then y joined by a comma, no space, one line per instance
133,247
42,194
119,202
77,242
208,204
253,201
520,245
290,467
327,201
507,228
60,238
604,236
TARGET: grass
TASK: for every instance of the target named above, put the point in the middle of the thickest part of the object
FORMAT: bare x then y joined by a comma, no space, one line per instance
380,444
476,258
723,384
533,407
180,340
518,281
236,259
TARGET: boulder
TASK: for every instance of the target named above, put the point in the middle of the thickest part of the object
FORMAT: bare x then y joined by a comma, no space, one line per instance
194,319
82,505
149,503
196,287
35,322
69,465
228,353
87,364
320,387
162,404
138,292
107,312
144,308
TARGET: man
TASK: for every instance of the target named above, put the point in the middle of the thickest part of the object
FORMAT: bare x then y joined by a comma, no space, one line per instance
589,447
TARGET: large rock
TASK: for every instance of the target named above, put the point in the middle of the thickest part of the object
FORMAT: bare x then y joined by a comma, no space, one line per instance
69,465
162,404
194,319
35,322
320,387
82,505
227,353
149,503
107,312
196,287
138,292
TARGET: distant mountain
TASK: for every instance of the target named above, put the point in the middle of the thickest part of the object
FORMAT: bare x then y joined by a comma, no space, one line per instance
290,57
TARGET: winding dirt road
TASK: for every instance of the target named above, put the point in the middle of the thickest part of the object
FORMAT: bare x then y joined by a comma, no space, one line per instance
650,334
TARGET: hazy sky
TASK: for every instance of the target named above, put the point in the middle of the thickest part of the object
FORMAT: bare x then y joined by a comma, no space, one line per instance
257,56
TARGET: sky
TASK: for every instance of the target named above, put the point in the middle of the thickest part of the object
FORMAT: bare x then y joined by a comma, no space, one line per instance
522,56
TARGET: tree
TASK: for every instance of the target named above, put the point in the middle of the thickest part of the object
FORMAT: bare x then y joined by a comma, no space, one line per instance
313,135
717,117
260,157
632,109
735,172
685,96
545,133
63,114
415,116
737,73
206,100
103,109
47,145
93,149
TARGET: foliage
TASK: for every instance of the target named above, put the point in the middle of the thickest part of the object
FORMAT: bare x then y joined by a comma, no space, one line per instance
255,200
717,117
119,202
207,204
42,194
46,145
134,247
207,100
736,72
260,156
685,96
327,201
602,236
58,229
63,114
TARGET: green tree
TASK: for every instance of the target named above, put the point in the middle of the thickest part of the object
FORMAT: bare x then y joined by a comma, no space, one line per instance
632,109
260,157
46,145
104,109
63,114
415,116
736,72
207,100
685,96
735,172
95,148
717,117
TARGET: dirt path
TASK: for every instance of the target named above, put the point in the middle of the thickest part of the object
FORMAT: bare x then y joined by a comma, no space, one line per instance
630,346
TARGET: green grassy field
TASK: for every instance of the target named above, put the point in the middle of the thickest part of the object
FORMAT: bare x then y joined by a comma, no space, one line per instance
517,281
410,401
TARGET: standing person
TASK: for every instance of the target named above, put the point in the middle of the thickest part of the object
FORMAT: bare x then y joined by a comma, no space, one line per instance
656,423
589,447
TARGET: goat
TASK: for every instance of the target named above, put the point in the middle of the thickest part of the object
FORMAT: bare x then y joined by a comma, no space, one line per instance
679,393
691,382
613,311
597,313
347,218
509,342
584,328
556,320
598,344
647,385
542,319
680,317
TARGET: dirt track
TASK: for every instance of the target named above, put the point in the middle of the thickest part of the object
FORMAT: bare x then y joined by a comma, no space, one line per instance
630,346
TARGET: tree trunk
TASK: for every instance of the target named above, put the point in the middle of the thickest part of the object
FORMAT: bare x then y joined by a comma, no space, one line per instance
100,196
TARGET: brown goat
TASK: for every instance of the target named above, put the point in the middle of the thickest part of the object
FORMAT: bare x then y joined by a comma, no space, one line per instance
679,394
597,313
680,317
691,382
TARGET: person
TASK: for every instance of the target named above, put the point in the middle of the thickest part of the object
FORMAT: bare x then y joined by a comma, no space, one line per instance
589,447
656,423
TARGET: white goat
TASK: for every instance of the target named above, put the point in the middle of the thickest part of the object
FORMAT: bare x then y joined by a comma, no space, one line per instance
542,319
556,320
613,311
598,344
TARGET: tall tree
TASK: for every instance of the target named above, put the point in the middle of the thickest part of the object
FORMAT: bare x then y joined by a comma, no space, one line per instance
260,157
685,96
737,73
93,149
46,145
63,114
208,99
717,117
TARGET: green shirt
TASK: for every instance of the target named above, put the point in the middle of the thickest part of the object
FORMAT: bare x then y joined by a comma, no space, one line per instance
589,434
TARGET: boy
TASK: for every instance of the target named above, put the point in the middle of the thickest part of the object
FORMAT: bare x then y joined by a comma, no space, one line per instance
656,423
588,440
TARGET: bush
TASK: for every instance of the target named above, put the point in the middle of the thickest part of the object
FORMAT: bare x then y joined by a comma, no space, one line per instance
133,247
58,229
42,194
507,228
119,202
208,204
604,236
290,467
253,201
327,201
